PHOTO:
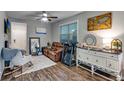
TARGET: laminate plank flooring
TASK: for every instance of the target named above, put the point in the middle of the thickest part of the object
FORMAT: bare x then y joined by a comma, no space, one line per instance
59,72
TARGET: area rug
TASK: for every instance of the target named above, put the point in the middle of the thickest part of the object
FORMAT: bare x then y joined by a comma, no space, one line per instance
39,62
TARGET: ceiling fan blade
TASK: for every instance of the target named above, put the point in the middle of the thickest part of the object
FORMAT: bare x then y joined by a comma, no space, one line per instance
37,18
52,17
34,15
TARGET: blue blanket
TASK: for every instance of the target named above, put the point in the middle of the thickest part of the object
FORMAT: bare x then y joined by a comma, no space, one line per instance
7,54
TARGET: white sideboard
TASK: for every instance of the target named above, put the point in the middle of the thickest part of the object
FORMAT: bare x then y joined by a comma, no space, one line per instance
108,62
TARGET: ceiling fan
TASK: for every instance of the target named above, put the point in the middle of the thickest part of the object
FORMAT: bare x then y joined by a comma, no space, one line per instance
44,17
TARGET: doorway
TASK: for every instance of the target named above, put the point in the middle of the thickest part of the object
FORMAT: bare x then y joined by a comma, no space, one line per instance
18,35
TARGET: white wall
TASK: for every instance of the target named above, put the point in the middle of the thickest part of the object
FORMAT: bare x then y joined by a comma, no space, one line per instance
31,28
117,30
44,38
2,16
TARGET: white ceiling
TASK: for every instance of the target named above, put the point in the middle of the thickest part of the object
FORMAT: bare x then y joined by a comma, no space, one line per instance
27,14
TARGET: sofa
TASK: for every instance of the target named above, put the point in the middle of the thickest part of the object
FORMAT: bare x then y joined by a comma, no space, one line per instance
54,52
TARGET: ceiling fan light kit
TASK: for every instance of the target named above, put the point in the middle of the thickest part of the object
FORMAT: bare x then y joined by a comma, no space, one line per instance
44,19
44,14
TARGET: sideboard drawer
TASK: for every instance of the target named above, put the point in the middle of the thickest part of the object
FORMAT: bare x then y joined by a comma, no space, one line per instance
112,56
112,64
85,57
99,61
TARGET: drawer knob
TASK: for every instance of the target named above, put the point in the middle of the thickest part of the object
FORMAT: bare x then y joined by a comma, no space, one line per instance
96,60
87,58
110,65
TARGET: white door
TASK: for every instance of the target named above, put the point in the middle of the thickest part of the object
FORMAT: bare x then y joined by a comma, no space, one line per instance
18,35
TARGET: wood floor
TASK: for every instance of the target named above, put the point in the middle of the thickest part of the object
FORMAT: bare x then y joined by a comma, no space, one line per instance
59,72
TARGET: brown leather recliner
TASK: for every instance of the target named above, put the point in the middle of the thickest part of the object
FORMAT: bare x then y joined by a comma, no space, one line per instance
54,53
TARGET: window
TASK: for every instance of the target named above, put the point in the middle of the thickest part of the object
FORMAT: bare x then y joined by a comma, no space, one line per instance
68,33
64,33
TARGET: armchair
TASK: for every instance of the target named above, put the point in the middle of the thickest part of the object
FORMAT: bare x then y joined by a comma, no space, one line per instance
54,53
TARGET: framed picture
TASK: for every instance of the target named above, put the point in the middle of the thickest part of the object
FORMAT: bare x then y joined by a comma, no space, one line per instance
7,26
41,31
34,43
100,22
